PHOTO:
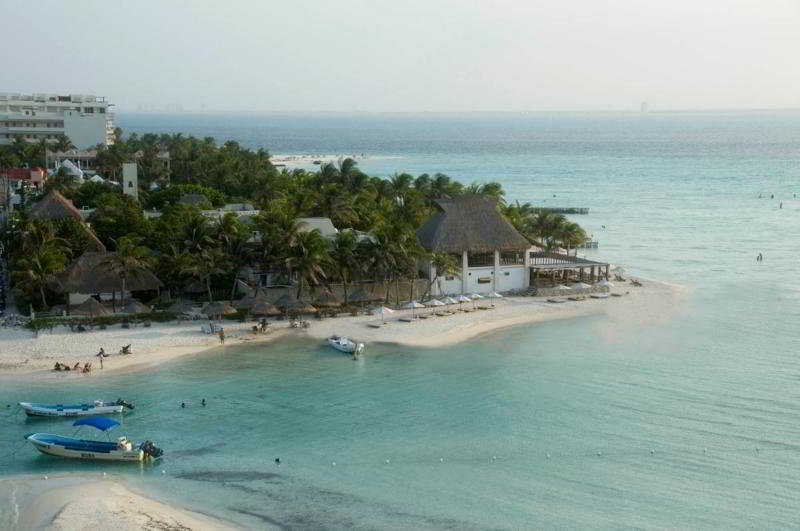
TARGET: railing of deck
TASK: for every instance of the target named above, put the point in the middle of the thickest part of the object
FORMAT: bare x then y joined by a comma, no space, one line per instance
542,258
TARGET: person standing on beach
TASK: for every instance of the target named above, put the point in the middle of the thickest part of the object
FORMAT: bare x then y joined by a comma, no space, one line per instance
760,258
221,336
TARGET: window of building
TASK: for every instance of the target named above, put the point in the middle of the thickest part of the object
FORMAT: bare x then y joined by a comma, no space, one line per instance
480,259
130,184
512,258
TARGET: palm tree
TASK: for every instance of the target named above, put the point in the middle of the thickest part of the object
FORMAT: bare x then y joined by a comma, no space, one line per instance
445,265
63,144
570,235
344,258
36,270
130,259
202,266
308,255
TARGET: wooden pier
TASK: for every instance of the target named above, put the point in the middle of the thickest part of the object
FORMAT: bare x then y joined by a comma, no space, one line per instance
563,210
591,244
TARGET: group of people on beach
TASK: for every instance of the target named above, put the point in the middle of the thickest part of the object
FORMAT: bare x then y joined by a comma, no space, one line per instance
87,367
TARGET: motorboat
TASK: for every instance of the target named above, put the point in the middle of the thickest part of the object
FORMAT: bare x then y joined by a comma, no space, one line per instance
98,407
345,344
122,449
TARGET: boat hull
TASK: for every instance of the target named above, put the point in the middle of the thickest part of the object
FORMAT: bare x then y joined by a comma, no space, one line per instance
68,447
74,410
343,344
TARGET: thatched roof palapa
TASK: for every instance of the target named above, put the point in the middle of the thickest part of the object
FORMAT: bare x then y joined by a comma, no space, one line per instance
54,206
470,223
218,308
248,301
90,307
327,299
360,295
90,274
135,306
264,308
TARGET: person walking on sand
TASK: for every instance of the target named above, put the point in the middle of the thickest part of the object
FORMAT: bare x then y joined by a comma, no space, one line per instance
221,336
760,258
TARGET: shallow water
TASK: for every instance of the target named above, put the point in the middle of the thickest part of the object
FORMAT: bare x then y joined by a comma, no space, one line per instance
684,420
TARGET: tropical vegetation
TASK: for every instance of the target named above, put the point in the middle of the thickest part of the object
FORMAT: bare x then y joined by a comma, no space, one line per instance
197,255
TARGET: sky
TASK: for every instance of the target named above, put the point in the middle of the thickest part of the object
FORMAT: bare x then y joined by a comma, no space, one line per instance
408,55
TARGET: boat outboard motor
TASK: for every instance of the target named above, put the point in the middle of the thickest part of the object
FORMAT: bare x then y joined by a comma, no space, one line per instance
151,450
124,403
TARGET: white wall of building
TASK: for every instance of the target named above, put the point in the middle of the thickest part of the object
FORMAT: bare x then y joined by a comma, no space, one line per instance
85,130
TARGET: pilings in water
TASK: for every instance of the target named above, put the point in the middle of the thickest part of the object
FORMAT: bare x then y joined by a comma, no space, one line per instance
563,210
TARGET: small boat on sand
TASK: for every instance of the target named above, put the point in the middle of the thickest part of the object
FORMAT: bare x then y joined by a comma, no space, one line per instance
345,344
120,450
98,407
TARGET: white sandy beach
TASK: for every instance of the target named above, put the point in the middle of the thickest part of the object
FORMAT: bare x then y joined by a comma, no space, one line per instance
76,502
22,353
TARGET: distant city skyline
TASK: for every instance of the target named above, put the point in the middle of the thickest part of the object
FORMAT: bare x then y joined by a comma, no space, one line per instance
418,56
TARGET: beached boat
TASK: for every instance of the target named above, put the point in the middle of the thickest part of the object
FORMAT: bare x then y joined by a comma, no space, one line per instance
345,344
98,407
120,450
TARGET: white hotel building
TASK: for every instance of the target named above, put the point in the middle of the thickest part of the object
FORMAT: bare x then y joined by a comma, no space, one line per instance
85,120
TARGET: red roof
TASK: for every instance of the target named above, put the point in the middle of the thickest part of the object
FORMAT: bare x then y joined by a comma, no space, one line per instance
20,174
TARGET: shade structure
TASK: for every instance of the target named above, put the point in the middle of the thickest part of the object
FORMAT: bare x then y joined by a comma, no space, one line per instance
101,423
463,298
135,306
495,295
562,287
218,308
476,296
301,307
412,305
360,295
285,301
264,308
434,302
382,310
605,283
328,300
90,307
450,300
581,285
181,307
247,302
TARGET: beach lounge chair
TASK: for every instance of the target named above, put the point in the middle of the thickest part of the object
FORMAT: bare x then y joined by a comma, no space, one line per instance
374,325
557,301
407,319
616,294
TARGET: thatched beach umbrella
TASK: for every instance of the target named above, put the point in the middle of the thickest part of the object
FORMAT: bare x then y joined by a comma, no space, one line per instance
218,308
433,304
301,307
135,306
264,308
327,300
581,285
248,301
285,301
91,308
360,296
181,307
461,299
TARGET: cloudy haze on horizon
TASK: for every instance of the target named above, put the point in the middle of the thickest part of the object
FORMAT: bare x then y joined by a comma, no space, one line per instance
416,55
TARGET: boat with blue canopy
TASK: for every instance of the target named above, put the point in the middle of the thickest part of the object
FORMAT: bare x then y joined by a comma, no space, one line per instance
122,449
98,407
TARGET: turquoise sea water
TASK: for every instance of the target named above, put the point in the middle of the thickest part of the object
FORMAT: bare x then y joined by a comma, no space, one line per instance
689,420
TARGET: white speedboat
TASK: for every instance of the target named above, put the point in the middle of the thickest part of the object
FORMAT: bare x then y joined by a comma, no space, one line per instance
120,450
98,407
345,344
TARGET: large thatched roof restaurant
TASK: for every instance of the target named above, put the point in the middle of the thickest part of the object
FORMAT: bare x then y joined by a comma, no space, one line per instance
493,255
90,275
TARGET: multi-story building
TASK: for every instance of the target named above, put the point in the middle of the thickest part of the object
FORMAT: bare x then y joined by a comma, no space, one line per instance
85,120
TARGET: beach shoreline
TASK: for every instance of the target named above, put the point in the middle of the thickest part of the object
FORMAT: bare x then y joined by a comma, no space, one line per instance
24,356
80,501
